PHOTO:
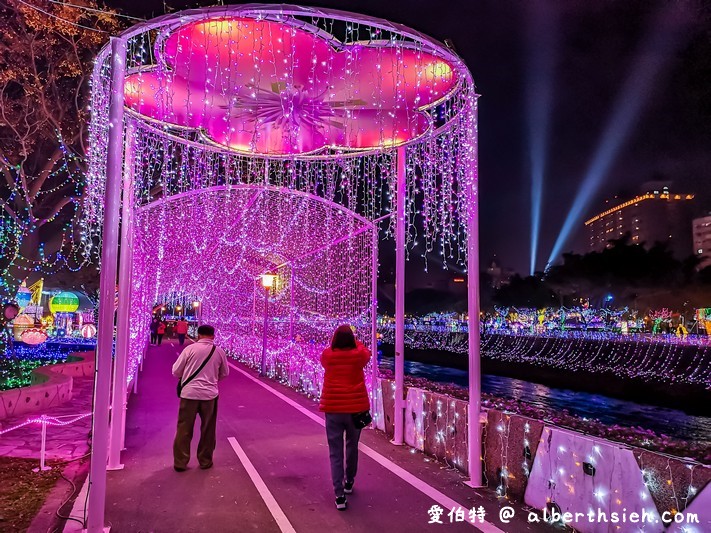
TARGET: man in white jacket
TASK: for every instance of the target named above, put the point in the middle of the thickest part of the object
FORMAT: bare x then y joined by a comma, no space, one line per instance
199,376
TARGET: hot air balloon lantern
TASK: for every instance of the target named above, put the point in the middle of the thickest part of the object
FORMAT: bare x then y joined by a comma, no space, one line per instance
64,302
88,331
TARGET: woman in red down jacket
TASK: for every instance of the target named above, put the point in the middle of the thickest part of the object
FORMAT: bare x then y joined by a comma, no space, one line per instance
343,395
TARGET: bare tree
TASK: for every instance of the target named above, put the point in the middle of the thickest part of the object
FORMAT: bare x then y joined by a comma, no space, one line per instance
46,53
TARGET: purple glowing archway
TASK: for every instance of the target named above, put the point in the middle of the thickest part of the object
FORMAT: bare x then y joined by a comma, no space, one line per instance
273,138
232,236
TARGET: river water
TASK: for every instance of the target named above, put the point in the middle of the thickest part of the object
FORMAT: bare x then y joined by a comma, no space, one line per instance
661,420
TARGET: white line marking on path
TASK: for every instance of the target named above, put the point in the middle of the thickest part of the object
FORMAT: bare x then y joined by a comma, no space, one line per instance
426,489
279,516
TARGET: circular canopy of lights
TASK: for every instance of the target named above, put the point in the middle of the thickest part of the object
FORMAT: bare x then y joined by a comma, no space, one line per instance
266,138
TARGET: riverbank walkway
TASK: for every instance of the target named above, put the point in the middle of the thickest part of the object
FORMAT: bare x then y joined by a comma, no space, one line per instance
271,471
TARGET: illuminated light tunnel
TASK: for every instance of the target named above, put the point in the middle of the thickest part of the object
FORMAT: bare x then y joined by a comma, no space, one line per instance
256,141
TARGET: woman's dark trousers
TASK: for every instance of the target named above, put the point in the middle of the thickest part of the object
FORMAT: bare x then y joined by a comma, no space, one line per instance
338,426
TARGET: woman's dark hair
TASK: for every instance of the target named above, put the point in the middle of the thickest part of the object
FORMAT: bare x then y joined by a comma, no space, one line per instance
343,338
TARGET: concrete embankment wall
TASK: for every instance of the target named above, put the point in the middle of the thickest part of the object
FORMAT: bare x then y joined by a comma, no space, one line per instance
546,466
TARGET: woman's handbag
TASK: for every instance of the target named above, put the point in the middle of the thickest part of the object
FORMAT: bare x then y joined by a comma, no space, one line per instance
181,385
361,420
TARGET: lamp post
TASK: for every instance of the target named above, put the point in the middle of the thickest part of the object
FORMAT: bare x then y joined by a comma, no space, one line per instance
267,282
197,312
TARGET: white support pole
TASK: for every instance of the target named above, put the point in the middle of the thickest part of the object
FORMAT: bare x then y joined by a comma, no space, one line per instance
398,437
43,449
474,452
118,398
107,285
374,315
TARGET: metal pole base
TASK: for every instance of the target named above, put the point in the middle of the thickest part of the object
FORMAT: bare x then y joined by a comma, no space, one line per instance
117,467
473,485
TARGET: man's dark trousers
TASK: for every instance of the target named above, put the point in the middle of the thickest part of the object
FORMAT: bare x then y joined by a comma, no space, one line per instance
189,409
181,338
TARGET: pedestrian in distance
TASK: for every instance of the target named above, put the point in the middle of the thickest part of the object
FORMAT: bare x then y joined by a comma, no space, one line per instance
160,331
199,367
181,329
154,329
344,400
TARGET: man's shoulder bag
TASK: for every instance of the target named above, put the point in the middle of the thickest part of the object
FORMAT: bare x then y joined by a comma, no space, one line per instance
194,374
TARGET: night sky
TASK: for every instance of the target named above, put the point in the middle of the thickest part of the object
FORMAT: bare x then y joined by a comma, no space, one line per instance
594,48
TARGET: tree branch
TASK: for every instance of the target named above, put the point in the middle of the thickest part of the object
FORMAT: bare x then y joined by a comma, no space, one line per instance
37,183
62,203
10,211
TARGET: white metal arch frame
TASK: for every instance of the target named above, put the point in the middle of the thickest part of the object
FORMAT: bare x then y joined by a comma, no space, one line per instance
443,155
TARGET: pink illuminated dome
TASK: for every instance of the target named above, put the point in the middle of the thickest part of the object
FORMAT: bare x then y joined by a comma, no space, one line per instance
276,88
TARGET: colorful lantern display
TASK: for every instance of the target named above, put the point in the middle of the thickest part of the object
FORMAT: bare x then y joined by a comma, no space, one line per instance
10,311
88,331
23,298
703,317
20,324
64,302
34,336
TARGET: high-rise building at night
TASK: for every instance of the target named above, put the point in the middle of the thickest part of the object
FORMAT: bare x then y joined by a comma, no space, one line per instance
657,215
702,239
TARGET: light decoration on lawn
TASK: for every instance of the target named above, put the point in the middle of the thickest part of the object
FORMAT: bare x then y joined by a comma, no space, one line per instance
20,324
16,371
666,358
265,139
34,336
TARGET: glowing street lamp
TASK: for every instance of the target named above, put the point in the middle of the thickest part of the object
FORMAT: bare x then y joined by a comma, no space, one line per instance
268,280
197,312
267,283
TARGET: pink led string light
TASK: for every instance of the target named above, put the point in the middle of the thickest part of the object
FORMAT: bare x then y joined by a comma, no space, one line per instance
218,242
44,419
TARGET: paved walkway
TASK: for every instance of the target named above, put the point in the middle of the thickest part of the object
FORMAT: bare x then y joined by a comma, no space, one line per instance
271,469
64,442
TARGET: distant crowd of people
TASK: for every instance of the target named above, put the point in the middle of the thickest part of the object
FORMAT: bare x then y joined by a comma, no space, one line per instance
160,327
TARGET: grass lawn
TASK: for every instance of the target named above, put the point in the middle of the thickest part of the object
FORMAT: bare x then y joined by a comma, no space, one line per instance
22,491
